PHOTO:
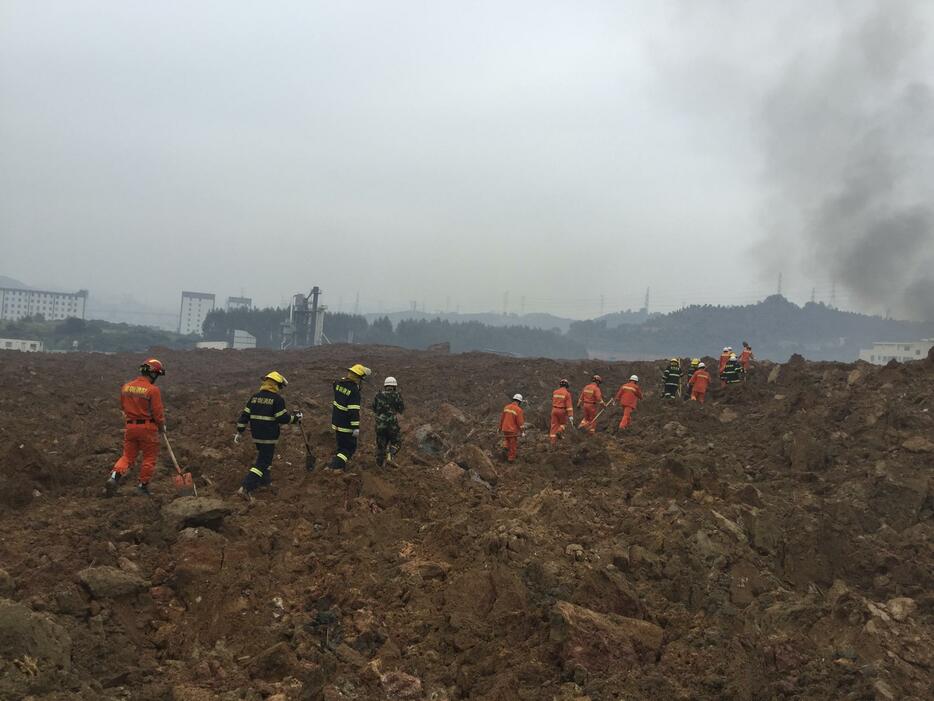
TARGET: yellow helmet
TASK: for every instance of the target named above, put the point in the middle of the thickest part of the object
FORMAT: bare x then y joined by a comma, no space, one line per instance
360,370
276,377
695,361
675,361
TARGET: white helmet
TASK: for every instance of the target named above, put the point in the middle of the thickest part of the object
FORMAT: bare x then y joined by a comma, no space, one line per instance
634,378
701,365
730,348
517,397
726,349
390,382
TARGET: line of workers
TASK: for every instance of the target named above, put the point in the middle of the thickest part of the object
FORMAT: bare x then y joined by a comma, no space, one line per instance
265,412
732,369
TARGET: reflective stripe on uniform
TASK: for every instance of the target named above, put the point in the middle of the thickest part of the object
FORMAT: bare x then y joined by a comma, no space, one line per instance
353,406
246,410
511,411
339,406
266,442
241,426
262,418
279,413
342,430
343,457
256,471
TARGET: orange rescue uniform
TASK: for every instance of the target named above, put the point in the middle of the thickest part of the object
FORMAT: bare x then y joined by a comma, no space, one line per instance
699,382
141,402
745,358
562,409
628,397
511,423
591,397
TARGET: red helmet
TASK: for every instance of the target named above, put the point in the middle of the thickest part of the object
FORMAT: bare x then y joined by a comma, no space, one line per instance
152,367
597,379
564,383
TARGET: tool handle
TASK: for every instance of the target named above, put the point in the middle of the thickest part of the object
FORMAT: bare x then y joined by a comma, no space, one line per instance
172,454
304,437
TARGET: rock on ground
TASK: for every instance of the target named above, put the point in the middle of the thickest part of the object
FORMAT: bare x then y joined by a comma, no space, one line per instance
186,512
35,651
603,643
109,582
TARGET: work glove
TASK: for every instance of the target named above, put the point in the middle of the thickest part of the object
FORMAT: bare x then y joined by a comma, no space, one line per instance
297,417
571,420
523,434
356,432
237,437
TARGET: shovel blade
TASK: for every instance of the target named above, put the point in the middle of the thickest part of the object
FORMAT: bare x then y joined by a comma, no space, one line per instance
185,485
310,461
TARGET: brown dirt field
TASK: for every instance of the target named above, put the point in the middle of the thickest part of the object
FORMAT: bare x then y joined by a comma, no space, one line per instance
775,543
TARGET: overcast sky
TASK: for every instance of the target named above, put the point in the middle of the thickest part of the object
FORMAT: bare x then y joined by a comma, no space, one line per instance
443,152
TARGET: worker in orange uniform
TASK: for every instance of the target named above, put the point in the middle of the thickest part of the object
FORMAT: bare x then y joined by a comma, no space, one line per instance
628,397
562,411
724,359
511,423
699,382
746,357
144,415
591,397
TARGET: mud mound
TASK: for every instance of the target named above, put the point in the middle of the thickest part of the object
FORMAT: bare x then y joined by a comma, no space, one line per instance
772,543
24,474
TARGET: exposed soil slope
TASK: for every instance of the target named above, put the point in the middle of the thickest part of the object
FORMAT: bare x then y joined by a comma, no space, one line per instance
774,543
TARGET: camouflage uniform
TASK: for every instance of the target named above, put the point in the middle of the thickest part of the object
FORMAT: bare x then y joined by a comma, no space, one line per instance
386,405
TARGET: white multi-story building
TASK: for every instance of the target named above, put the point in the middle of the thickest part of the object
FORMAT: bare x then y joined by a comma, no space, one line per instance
239,303
902,351
16,303
195,307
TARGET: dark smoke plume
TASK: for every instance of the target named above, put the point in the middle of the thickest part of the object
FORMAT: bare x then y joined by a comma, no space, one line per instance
850,141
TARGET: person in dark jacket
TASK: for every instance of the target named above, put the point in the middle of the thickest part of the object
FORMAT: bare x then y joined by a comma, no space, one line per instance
387,405
671,378
345,415
733,372
264,413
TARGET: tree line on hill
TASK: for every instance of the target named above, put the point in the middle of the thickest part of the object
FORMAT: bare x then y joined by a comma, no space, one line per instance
775,327
266,325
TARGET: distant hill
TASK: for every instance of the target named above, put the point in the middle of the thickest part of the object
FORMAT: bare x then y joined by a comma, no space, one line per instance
775,327
614,319
12,282
546,322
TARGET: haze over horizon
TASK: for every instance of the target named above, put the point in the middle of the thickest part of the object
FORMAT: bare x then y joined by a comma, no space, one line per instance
445,153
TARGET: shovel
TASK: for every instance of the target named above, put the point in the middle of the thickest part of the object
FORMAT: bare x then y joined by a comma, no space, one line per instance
593,423
184,484
309,456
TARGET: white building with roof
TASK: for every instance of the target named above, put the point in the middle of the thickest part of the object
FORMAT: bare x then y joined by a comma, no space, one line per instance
26,345
884,351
